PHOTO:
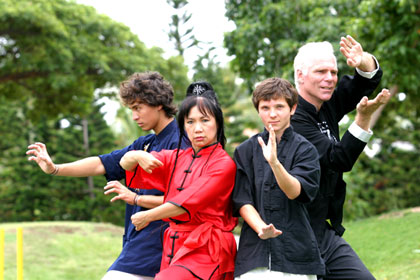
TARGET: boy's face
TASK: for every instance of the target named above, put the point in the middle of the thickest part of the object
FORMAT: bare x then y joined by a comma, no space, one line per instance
277,113
147,117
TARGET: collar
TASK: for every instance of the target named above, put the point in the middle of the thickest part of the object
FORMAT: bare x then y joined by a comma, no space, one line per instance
287,134
206,150
306,106
170,129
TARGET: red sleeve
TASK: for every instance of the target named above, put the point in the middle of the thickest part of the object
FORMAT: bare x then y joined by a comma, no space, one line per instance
159,176
214,187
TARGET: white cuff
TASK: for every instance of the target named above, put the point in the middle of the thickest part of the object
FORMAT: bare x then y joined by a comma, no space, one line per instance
360,133
369,75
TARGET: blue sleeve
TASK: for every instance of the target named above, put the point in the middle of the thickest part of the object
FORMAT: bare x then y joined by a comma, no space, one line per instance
111,161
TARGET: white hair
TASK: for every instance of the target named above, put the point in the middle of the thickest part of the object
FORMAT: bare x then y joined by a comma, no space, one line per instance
307,53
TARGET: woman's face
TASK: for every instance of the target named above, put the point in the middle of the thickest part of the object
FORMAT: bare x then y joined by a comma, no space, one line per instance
201,129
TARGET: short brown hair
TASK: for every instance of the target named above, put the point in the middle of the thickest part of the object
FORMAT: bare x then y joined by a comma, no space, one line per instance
273,88
148,88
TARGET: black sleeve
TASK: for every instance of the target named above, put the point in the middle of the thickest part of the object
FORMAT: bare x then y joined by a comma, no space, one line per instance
339,156
349,91
243,190
307,171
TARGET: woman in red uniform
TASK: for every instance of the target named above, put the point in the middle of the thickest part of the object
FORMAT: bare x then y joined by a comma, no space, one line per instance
198,182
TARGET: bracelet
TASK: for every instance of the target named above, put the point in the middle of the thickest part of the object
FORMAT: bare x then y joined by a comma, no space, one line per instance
136,199
56,168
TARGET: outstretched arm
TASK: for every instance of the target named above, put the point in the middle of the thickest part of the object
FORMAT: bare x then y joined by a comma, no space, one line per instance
287,183
90,166
253,219
130,197
355,55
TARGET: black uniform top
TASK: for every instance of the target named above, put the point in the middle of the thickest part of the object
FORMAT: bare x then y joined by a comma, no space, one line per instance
296,250
336,156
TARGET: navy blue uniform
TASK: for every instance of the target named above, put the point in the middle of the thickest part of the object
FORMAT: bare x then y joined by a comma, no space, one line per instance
142,250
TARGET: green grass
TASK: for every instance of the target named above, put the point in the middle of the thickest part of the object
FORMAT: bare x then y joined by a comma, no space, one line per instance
389,245
62,250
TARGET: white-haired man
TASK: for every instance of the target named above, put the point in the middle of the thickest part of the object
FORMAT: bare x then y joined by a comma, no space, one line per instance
321,106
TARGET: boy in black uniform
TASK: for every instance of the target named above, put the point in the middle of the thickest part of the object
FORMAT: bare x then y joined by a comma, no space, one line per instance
277,173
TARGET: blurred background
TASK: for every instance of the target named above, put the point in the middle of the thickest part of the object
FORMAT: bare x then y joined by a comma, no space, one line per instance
61,63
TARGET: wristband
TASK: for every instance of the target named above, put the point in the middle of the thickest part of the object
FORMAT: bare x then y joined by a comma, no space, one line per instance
55,170
136,199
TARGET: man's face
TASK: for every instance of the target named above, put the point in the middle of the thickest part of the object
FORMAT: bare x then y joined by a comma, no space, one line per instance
147,117
318,83
277,113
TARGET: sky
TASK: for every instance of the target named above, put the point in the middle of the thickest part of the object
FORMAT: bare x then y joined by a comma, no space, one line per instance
150,20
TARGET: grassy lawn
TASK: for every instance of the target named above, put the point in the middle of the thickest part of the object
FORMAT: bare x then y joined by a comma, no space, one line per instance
389,245
62,250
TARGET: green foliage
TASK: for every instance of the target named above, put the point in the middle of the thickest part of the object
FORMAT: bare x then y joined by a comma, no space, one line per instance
28,194
182,39
267,38
53,56
56,53
269,33
232,97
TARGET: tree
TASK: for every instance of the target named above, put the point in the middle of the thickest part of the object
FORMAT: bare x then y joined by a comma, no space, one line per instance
29,194
182,39
269,33
267,38
54,54
238,111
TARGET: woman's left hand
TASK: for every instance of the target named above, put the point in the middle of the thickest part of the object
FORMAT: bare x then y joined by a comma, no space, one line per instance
140,220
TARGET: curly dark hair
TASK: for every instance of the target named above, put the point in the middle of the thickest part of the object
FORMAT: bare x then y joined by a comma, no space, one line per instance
148,88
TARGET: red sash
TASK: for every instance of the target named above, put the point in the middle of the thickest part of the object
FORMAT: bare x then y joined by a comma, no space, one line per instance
207,235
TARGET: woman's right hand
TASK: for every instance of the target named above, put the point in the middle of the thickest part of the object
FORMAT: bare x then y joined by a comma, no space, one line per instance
39,154
146,161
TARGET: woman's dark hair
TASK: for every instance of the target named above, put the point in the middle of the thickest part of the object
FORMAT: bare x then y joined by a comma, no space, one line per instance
197,88
207,105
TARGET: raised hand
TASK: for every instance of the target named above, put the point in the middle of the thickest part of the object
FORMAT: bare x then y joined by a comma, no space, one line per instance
123,193
269,232
368,107
365,108
355,55
269,150
352,50
39,154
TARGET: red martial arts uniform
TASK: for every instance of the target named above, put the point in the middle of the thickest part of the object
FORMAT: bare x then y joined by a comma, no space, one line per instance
198,244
